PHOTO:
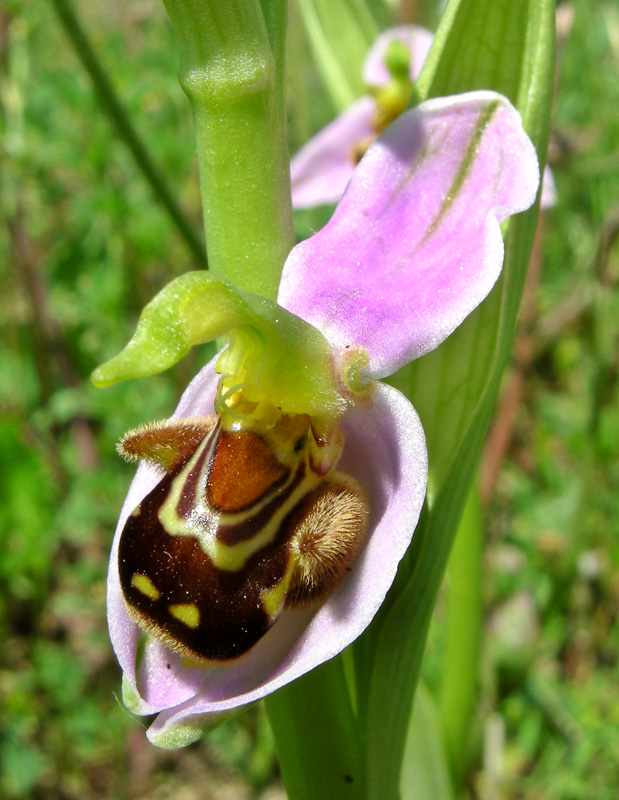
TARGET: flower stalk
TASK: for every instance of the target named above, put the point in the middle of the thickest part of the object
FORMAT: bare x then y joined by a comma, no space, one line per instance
231,69
317,736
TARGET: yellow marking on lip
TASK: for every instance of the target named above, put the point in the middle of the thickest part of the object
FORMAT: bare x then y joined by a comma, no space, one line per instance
144,584
187,613
190,663
136,511
273,598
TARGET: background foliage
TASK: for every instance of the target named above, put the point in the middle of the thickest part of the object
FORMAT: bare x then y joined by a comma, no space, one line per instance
84,246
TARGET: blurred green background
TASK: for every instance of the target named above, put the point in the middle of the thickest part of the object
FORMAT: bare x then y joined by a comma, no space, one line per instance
84,245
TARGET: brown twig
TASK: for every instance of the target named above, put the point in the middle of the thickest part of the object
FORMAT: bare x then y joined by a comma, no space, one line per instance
50,348
501,430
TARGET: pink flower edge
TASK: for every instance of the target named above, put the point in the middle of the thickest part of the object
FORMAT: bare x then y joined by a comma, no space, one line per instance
385,451
315,178
321,169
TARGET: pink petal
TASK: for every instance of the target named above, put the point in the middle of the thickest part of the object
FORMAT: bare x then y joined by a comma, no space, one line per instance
415,243
385,451
549,189
416,39
322,168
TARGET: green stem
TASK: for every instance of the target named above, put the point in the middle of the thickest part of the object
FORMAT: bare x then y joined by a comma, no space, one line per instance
463,635
232,71
125,130
325,760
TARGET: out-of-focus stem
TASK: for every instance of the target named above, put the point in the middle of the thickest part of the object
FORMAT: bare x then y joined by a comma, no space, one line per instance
124,128
463,635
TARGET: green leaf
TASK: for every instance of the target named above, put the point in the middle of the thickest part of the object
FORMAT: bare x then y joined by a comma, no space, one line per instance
340,33
480,43
500,28
425,774
317,736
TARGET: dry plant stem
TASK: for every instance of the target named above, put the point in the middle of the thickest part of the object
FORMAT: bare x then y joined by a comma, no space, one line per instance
575,305
408,12
115,111
50,347
609,234
501,431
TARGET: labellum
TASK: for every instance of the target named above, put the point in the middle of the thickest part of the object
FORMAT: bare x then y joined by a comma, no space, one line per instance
250,517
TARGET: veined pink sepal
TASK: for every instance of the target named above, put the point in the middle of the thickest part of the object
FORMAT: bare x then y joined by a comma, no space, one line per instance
415,243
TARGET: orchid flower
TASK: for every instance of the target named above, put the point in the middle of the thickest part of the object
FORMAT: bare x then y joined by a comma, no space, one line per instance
412,248
320,171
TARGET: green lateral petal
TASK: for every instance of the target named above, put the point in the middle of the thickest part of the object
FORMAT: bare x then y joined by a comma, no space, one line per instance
270,349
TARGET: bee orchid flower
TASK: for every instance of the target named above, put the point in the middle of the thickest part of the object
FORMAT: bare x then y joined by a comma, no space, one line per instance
412,248
320,171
